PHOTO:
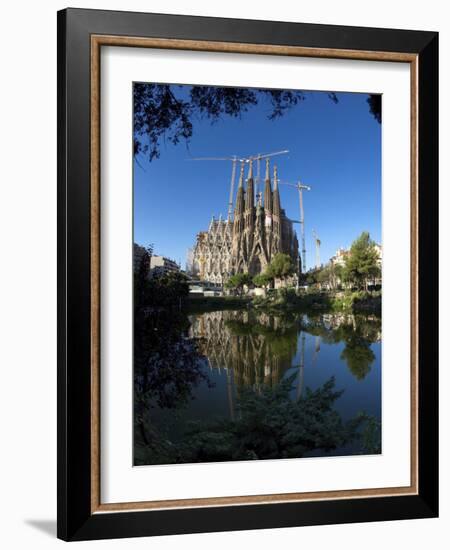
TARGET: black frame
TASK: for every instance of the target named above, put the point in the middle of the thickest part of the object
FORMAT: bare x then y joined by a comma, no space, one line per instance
75,521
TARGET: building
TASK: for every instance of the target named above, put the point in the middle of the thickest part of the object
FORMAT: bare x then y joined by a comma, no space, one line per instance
339,257
379,252
160,265
212,252
247,243
342,254
138,254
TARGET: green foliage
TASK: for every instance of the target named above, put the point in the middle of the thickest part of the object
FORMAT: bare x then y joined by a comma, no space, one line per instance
287,299
174,285
367,301
371,435
162,113
312,277
201,304
268,425
140,281
168,290
323,275
281,267
362,262
262,280
343,301
166,361
330,275
358,301
374,101
238,281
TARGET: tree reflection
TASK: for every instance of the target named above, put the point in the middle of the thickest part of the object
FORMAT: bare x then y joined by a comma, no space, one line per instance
167,367
358,336
358,332
358,356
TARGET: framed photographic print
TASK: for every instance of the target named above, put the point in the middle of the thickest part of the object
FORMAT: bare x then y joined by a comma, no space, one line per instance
247,274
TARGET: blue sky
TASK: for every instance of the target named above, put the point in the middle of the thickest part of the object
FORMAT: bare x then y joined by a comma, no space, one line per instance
334,148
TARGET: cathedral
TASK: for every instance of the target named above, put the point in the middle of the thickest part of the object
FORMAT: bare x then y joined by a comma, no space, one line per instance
247,243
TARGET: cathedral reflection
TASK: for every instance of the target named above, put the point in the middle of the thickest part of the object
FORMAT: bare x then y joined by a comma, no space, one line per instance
254,350
257,349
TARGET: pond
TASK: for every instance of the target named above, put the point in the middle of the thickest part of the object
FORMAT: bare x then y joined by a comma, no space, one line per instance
225,401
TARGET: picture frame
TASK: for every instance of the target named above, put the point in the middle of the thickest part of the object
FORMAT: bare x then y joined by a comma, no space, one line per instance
81,36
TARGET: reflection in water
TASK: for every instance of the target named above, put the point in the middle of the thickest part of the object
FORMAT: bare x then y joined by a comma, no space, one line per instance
260,386
257,350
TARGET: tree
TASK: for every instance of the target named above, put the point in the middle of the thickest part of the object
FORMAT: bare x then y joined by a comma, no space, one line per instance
270,425
238,281
173,286
361,264
330,275
262,280
141,277
338,274
167,290
374,101
324,275
168,112
311,277
281,267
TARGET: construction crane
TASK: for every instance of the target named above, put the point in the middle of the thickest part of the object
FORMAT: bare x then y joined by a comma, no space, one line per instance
243,160
258,159
301,187
318,243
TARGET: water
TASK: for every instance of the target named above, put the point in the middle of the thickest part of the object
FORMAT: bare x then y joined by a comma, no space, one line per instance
244,351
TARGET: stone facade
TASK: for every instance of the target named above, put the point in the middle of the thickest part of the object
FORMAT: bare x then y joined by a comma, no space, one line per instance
247,243
212,252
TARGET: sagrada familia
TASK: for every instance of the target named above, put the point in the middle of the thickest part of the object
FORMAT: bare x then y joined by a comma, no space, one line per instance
248,242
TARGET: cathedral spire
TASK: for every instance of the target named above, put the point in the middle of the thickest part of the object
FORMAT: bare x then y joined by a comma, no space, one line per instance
276,194
267,190
240,194
239,208
250,194
241,175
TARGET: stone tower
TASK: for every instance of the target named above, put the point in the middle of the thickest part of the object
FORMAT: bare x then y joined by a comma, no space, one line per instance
257,233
